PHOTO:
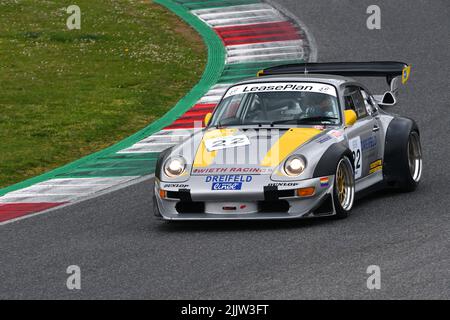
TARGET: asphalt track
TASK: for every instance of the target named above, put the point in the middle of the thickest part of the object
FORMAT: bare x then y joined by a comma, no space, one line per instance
124,253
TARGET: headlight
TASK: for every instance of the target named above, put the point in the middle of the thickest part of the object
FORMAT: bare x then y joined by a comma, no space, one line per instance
174,167
294,165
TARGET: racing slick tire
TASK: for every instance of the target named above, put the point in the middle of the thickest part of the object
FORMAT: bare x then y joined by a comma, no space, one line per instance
344,188
403,155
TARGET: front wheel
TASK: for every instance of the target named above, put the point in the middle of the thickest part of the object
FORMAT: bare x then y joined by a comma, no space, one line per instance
344,188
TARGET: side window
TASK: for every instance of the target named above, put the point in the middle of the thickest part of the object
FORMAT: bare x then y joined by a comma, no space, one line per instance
368,101
349,105
354,100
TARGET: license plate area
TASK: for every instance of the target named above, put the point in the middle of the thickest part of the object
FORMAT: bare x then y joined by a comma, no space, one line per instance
231,207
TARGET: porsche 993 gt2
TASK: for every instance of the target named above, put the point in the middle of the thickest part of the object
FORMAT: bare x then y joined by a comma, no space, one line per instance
297,141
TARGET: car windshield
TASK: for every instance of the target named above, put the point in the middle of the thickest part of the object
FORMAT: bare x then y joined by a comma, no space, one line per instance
278,104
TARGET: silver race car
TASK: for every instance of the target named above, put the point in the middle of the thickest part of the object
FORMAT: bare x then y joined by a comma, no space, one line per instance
298,141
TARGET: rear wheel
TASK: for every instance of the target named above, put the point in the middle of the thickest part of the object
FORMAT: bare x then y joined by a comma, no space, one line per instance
414,163
344,188
402,161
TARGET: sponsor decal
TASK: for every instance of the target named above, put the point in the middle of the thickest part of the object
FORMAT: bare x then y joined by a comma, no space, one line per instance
324,182
335,133
175,185
226,142
203,158
282,86
231,178
324,89
278,87
319,127
283,184
375,169
369,143
226,186
233,91
227,183
324,139
376,166
254,171
355,147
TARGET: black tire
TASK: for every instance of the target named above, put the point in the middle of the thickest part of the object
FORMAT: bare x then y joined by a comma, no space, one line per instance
343,203
405,171
402,137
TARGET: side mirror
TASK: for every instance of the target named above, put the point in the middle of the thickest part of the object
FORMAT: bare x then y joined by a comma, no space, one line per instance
208,117
350,117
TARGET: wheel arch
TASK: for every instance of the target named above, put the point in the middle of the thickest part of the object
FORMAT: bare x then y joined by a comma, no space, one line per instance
330,158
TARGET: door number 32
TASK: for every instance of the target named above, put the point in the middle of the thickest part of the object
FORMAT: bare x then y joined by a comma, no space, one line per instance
355,147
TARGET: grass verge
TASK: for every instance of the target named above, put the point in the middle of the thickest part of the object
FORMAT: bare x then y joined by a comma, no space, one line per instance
65,94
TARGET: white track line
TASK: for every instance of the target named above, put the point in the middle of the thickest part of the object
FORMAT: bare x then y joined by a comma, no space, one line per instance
88,197
214,94
143,148
266,51
267,57
158,142
62,190
312,44
210,99
85,181
239,15
233,9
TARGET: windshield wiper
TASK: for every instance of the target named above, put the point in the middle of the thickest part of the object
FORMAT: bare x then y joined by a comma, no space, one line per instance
304,120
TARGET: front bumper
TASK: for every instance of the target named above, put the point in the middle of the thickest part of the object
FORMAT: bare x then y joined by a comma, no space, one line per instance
257,203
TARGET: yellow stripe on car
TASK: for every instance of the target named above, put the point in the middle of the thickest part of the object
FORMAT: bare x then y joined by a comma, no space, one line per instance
375,169
375,164
287,143
203,157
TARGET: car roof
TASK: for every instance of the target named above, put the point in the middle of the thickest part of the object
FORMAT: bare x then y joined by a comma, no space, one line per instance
337,81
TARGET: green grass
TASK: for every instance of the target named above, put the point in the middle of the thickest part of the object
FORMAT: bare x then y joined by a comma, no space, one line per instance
65,94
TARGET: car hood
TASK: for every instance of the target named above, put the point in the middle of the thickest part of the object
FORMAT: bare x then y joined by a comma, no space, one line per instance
247,151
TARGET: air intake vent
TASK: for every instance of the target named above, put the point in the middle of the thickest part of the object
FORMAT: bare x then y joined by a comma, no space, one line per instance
273,206
190,207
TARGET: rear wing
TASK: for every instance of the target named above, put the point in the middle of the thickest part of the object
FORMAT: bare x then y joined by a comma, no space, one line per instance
393,71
